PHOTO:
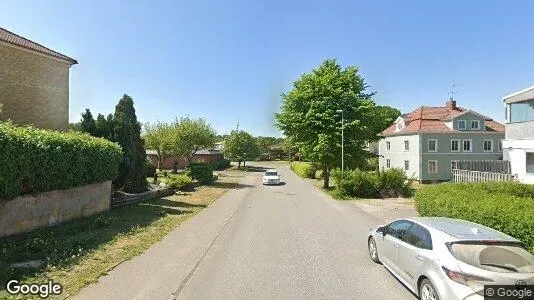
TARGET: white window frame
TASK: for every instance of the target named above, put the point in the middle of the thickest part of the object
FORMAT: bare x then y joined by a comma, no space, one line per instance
470,145
388,146
463,122
484,145
428,166
388,163
406,169
459,149
406,142
478,124
454,161
435,143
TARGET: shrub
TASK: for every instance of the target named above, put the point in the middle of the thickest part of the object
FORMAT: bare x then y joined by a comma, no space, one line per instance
150,169
505,206
201,172
220,164
36,160
180,182
319,174
371,184
303,169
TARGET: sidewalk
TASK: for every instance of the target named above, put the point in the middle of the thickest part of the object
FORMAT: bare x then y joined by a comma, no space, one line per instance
160,270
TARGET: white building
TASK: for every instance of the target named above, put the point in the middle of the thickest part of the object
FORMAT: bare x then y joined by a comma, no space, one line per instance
518,145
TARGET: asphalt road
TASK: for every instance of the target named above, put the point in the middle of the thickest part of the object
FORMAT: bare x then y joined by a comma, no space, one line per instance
260,242
292,242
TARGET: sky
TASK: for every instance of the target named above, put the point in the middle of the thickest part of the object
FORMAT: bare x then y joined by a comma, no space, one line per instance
229,61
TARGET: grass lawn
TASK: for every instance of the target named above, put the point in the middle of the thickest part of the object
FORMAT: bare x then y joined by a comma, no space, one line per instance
78,252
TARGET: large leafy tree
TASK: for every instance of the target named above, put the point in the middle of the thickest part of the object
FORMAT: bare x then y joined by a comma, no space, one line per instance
240,146
127,132
105,127
309,116
159,137
191,135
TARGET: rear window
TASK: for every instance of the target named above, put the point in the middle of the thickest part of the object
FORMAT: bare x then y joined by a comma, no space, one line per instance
270,174
495,257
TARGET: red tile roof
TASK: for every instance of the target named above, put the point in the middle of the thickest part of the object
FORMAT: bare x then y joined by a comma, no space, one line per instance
431,120
14,39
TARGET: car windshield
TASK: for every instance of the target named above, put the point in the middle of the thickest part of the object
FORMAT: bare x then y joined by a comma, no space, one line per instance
495,257
271,173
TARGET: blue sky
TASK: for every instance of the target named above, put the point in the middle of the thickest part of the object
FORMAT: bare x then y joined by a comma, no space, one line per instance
230,60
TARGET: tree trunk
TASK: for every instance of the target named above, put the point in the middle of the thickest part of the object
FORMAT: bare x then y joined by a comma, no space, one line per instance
239,165
326,178
245,165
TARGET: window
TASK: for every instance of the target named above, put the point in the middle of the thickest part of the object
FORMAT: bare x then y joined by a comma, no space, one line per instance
530,162
467,146
419,237
432,145
398,229
475,125
506,113
522,111
500,145
455,145
406,165
388,163
461,125
488,145
388,146
432,166
406,145
454,164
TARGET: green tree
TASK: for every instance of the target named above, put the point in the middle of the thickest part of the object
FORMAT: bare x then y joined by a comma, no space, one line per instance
1,107
127,132
240,146
309,116
191,135
104,127
264,142
159,137
290,147
88,124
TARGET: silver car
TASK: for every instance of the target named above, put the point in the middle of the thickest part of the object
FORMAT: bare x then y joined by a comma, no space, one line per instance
442,258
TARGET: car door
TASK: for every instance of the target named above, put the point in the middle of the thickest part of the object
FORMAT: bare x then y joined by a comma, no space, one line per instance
390,243
413,252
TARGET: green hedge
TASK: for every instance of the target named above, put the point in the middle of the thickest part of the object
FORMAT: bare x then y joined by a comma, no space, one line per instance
220,164
372,184
180,182
36,160
303,169
505,206
201,172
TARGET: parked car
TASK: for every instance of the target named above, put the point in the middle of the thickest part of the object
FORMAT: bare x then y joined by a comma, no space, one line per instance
442,258
271,177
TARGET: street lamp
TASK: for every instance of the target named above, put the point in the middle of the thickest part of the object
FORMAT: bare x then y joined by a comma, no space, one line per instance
342,140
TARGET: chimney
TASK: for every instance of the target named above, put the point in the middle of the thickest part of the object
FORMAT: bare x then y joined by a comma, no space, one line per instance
451,104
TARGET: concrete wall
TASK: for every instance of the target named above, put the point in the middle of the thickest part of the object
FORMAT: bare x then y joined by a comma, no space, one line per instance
28,212
34,88
516,154
522,130
397,155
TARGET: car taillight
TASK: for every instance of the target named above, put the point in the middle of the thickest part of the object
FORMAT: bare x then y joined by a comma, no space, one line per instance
474,282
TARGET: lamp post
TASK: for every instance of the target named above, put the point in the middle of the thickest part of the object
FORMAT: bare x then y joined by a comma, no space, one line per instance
342,140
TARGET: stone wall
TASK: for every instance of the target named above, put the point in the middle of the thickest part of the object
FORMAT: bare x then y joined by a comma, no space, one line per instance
28,212
34,88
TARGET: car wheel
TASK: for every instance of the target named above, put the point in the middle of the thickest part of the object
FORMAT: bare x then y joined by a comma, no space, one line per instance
427,291
373,251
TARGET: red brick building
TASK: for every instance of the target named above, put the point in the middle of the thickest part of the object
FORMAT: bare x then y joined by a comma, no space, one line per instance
203,155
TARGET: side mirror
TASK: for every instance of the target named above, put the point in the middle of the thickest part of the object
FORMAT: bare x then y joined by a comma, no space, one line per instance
381,230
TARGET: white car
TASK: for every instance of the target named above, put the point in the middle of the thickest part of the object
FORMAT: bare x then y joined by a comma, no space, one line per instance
271,177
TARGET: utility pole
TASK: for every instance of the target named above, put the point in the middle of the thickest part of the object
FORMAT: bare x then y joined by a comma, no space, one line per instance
238,126
342,141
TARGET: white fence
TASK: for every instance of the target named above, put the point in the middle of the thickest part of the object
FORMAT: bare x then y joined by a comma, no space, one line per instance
478,176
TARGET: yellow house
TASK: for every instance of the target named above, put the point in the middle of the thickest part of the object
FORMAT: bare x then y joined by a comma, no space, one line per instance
34,83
